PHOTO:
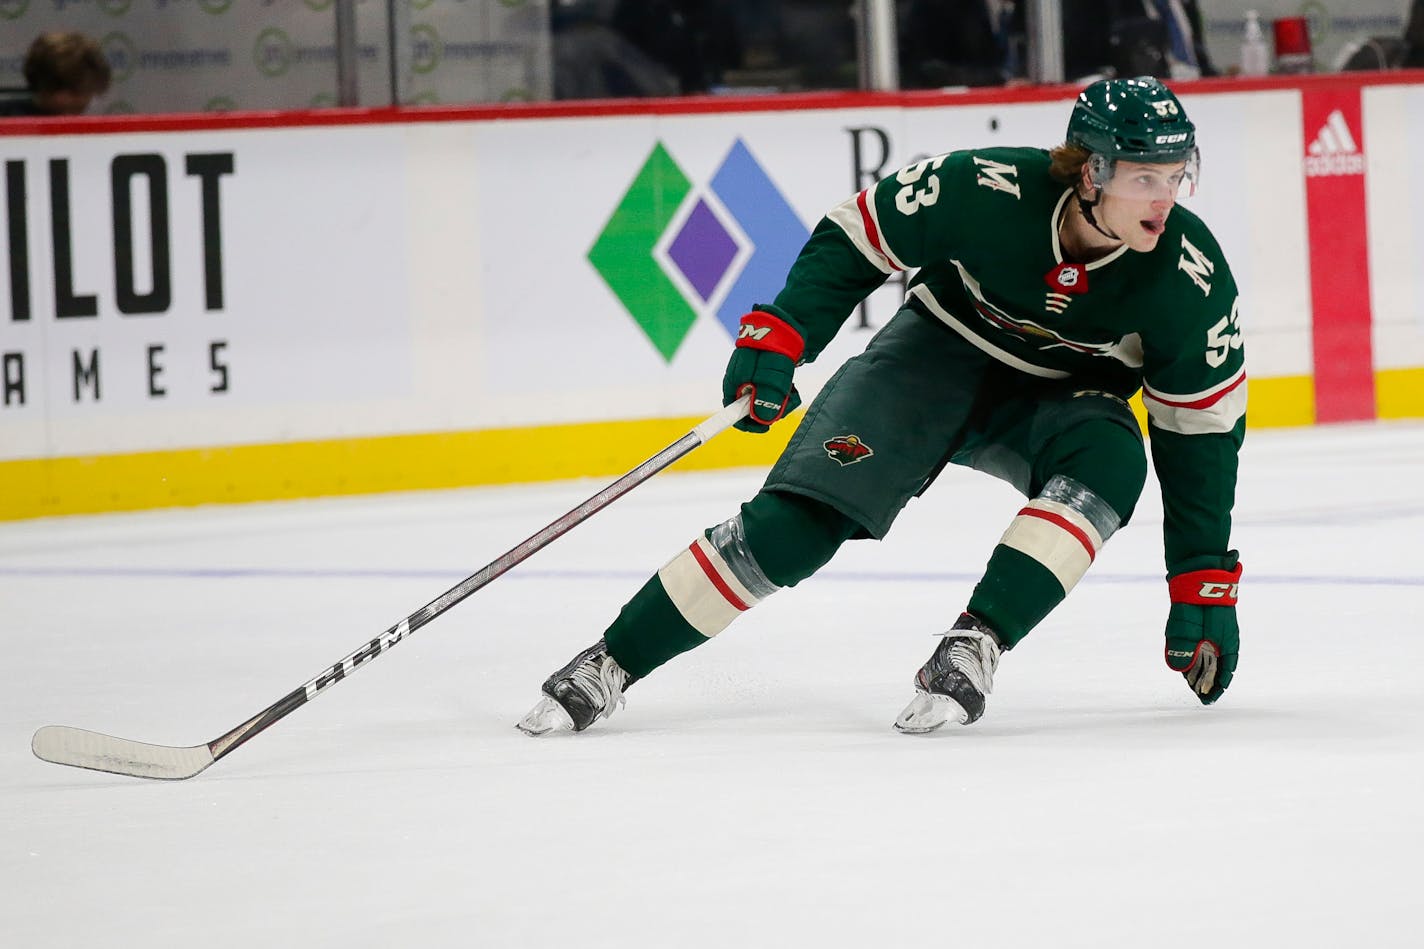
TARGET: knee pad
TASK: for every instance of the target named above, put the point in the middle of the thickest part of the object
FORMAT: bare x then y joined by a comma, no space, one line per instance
793,536
1063,528
1106,457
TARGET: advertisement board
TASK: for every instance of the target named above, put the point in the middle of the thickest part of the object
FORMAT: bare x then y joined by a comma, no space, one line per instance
410,300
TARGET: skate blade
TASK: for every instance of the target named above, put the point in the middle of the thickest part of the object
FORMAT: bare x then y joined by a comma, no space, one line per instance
927,712
545,717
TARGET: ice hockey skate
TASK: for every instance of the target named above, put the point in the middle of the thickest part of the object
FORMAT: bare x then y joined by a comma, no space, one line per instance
953,684
590,687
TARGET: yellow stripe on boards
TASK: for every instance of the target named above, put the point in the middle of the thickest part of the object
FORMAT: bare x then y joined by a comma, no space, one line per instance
1281,402
1399,393
143,480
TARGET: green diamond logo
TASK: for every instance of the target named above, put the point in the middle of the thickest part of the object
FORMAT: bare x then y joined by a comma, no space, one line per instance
623,253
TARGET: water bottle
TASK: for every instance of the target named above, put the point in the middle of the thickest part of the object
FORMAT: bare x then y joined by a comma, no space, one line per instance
1255,57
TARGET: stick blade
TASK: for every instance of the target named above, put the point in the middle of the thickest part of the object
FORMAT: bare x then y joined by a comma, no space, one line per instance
80,748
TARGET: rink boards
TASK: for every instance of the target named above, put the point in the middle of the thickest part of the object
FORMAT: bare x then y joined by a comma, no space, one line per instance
253,306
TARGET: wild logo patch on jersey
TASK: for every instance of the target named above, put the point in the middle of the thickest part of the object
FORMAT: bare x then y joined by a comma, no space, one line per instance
1004,320
846,449
1196,265
1064,281
995,175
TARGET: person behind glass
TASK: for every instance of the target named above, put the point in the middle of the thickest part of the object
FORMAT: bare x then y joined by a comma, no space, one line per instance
1414,37
960,43
63,73
696,39
1162,38
1186,53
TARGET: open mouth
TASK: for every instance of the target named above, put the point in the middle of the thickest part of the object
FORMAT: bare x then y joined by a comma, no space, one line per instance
1154,225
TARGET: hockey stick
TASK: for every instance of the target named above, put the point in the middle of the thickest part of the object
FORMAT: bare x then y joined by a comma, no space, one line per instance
81,748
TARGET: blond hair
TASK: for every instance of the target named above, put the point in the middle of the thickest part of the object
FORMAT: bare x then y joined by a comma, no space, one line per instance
1067,163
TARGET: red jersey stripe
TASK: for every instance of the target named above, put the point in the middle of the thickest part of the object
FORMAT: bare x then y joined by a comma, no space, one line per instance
862,201
1202,403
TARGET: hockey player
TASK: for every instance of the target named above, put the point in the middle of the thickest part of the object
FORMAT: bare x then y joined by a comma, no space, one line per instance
1052,286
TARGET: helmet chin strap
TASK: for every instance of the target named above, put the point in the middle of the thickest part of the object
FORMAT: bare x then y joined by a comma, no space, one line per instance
1086,206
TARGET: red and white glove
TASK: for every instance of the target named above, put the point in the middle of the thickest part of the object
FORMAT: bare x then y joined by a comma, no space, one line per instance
767,352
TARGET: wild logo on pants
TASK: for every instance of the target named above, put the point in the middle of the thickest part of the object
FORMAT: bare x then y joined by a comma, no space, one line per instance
847,449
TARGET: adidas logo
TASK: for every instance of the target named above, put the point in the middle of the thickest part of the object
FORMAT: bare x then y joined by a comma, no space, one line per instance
1334,151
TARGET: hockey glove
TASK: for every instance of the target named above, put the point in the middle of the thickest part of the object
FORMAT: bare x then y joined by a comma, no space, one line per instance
767,352
1202,637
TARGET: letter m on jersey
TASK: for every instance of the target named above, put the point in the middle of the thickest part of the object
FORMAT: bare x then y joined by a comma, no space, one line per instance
1196,265
995,175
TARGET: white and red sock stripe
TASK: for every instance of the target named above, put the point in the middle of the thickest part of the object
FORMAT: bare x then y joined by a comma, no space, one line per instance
704,589
1057,536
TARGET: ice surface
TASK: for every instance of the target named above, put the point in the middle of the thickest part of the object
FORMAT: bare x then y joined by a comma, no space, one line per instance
752,793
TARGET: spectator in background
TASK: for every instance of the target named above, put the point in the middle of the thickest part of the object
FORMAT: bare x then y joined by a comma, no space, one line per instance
696,39
63,73
594,61
1161,38
1414,37
960,43
1186,51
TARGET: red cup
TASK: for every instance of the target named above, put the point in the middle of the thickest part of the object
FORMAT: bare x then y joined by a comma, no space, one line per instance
1293,52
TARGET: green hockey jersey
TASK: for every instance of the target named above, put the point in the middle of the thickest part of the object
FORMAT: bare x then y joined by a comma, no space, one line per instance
982,228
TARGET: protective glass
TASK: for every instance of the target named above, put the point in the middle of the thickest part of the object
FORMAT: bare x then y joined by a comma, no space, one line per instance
1143,181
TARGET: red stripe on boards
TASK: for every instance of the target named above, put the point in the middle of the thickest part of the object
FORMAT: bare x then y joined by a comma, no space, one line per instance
1339,254
716,579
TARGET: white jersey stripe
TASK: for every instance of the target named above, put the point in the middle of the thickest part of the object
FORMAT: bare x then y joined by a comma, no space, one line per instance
1213,410
923,294
846,215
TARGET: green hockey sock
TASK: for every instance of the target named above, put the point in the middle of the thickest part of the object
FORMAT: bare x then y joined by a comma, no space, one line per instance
776,541
1016,593
649,631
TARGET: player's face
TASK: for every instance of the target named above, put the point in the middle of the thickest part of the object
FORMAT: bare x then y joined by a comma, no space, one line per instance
1137,200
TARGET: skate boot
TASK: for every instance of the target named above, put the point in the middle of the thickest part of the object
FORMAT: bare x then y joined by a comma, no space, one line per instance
590,687
953,684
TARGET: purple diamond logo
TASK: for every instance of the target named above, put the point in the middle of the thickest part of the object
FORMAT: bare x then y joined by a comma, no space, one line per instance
703,250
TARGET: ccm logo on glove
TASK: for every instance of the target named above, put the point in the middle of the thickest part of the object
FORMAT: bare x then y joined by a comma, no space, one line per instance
1206,587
